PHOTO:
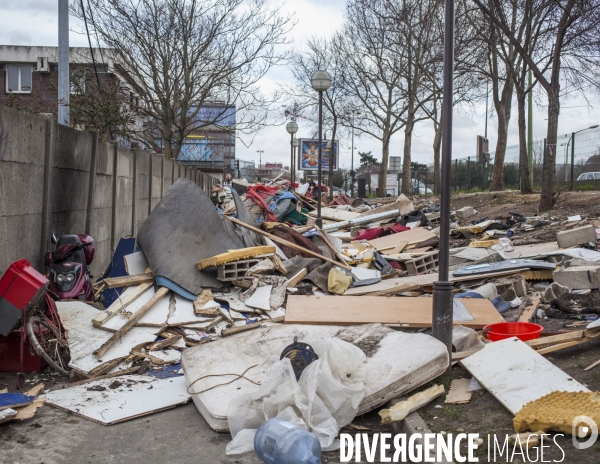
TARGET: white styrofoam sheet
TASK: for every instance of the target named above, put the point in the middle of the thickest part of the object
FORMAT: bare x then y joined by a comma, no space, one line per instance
388,374
260,298
138,396
136,263
155,317
515,374
84,338
184,313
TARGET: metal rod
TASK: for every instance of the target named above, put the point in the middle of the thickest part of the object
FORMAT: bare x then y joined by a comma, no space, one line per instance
292,161
320,168
361,220
442,289
63,62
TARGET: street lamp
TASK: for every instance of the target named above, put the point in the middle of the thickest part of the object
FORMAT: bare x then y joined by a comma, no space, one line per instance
320,81
292,128
260,152
443,288
295,144
487,98
352,155
572,139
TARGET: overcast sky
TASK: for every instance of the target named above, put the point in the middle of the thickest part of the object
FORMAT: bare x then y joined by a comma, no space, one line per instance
34,22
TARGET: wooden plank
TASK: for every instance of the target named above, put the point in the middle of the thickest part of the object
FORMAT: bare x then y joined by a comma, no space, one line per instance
162,291
555,339
121,303
234,255
591,366
561,346
515,374
330,245
129,370
297,278
529,309
241,328
404,311
413,237
288,243
129,281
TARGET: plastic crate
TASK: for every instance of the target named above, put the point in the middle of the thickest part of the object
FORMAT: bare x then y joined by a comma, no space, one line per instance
20,286
10,355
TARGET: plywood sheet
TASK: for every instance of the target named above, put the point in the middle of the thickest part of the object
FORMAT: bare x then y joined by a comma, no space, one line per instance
137,396
411,236
84,338
336,214
388,375
515,374
406,311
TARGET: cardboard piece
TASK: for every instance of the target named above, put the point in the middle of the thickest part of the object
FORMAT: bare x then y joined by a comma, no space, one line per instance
404,311
413,237
459,392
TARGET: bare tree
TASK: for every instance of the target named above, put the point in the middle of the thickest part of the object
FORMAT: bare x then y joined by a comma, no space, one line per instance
319,54
374,75
184,55
569,54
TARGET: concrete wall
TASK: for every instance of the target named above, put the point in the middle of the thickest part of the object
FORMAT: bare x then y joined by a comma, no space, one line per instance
54,179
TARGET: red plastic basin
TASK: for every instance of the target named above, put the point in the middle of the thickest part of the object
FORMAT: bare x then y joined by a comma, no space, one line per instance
522,330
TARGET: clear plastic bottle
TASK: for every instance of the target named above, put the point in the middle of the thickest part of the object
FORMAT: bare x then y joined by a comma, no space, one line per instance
280,442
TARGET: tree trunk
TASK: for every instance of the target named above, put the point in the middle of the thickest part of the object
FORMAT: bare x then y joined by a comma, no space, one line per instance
383,169
547,199
437,144
523,161
503,108
410,123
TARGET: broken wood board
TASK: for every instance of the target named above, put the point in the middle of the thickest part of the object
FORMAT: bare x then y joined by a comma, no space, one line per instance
388,375
406,284
136,396
404,311
129,281
29,411
133,320
336,214
516,374
155,317
297,278
84,338
459,392
136,263
288,243
402,203
234,255
529,309
413,237
400,410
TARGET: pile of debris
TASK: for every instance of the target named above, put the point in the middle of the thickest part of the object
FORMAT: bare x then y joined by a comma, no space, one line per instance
203,301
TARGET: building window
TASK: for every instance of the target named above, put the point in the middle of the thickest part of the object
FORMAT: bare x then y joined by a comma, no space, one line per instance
18,78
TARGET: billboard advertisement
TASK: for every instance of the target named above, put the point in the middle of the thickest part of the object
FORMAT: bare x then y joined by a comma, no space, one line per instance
308,159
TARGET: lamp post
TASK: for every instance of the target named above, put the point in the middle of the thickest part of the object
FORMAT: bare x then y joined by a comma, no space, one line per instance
292,128
295,144
487,99
572,139
352,155
320,81
260,152
442,289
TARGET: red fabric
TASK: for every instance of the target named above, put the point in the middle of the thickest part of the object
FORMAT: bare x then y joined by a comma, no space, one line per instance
258,194
371,234
341,200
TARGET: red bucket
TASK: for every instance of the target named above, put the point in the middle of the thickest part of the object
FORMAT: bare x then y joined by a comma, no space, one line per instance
522,330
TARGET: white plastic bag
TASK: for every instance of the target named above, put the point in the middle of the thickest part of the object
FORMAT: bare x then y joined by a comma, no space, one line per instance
326,398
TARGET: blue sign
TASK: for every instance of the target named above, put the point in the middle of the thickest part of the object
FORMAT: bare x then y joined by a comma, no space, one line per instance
308,159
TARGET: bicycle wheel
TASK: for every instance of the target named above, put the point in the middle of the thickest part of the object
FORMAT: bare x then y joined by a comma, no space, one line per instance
48,343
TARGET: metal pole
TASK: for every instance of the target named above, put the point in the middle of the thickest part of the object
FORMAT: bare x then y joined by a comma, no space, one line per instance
63,62
291,161
293,165
530,132
468,173
442,289
487,98
455,175
319,168
352,160
572,158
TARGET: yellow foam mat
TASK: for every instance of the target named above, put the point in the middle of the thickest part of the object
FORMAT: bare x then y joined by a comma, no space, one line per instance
557,410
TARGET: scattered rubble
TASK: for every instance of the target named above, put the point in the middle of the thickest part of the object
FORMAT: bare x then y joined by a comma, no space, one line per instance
220,285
